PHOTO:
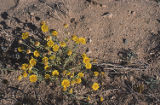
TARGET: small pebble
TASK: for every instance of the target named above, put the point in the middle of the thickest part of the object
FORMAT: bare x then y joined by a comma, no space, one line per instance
88,51
110,15
104,6
68,33
107,14
89,40
90,29
32,14
132,12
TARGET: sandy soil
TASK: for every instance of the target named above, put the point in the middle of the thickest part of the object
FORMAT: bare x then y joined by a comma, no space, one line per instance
122,33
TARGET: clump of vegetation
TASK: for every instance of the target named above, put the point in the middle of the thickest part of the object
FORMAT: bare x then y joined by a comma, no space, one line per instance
54,60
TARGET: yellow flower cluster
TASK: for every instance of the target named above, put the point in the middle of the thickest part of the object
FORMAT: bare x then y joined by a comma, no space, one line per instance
96,74
24,66
95,86
78,40
54,33
55,73
44,27
32,62
55,48
20,49
80,74
69,52
65,83
36,53
25,35
33,78
50,43
86,61
47,76
62,44
54,59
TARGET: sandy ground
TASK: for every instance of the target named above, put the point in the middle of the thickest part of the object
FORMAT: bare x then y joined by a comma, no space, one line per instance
123,32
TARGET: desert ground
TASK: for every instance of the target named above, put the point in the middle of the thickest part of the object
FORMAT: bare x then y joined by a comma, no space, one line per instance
122,35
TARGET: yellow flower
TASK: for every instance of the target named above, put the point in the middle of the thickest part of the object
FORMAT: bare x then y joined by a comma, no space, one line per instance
55,48
52,57
71,91
20,49
86,60
78,80
37,43
36,53
47,76
80,74
95,86
45,59
44,28
65,83
50,43
54,33
82,40
46,67
32,62
74,38
19,77
33,78
73,82
69,52
24,66
25,35
88,65
25,74
62,44
66,25
101,98
55,73
28,51
96,73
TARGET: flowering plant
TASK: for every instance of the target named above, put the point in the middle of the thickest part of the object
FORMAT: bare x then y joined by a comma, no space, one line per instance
52,59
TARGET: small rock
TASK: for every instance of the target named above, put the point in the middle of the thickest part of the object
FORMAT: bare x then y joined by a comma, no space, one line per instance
32,14
104,6
88,51
89,40
132,12
90,29
109,15
68,33
124,40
